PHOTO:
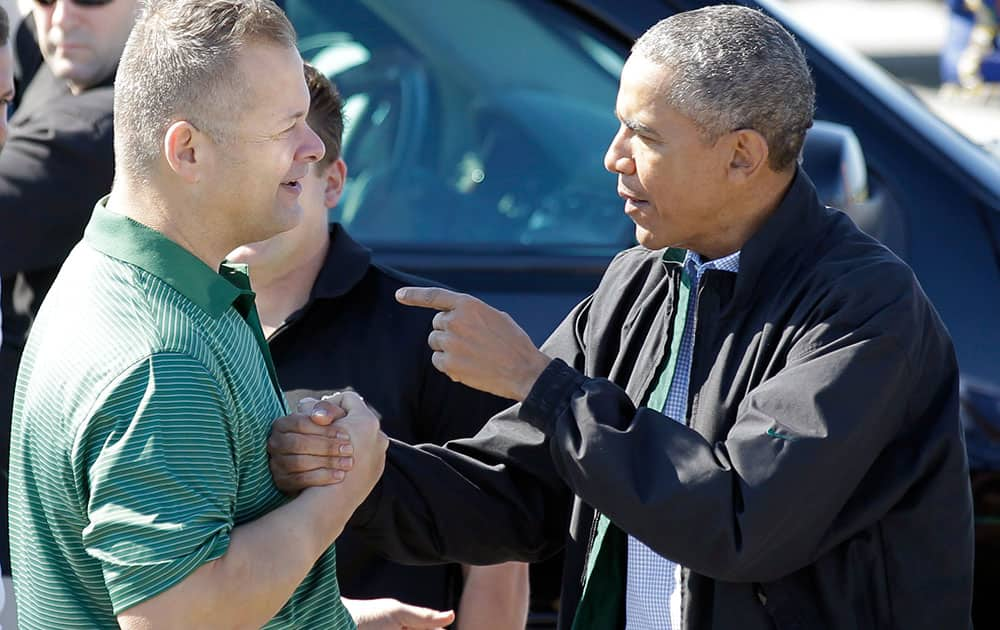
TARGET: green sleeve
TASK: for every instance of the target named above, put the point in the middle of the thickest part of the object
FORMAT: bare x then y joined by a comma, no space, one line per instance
160,463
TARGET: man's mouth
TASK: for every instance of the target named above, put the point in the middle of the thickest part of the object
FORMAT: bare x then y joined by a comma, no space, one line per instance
292,186
630,198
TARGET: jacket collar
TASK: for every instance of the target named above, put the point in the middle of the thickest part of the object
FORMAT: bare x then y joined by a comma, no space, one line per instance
793,225
128,240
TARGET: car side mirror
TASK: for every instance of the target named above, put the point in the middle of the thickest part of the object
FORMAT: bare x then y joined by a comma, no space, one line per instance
834,161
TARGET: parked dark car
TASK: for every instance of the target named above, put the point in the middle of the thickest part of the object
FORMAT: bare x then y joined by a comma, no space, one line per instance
476,131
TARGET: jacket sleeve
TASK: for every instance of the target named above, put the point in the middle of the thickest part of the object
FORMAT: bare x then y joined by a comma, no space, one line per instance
448,410
54,168
798,472
487,499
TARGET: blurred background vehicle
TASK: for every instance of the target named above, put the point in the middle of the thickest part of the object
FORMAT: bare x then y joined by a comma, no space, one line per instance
475,134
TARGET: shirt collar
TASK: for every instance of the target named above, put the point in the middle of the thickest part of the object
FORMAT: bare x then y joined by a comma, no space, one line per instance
695,266
346,263
128,240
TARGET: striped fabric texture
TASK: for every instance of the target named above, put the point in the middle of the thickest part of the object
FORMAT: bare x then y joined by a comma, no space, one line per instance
140,422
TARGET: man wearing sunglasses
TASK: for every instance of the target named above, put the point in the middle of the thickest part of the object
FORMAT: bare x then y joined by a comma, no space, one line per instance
58,162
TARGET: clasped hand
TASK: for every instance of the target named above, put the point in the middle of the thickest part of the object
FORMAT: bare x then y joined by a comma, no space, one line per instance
329,441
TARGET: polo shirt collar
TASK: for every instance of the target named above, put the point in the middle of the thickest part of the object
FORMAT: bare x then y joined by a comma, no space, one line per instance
346,264
132,242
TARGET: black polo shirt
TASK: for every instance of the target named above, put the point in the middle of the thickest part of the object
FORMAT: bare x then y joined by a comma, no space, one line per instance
353,333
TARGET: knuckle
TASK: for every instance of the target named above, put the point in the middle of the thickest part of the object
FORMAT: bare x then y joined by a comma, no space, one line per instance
293,444
284,423
296,423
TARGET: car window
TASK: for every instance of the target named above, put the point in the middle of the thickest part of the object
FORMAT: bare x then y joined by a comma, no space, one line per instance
470,123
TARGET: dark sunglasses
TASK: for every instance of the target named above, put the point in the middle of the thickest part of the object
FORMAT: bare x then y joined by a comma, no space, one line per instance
82,3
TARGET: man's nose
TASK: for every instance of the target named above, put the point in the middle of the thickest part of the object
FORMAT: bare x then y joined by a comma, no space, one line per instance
63,11
312,149
616,159
618,163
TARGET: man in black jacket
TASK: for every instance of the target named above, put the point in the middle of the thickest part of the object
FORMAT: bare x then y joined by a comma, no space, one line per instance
57,163
753,421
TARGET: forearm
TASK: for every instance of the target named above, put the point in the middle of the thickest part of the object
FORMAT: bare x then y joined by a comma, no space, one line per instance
412,515
494,597
266,560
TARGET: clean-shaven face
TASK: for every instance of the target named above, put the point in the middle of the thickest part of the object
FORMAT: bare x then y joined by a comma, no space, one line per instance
281,254
261,166
83,43
672,181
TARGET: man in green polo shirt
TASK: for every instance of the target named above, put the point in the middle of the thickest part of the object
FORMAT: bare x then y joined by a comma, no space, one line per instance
140,491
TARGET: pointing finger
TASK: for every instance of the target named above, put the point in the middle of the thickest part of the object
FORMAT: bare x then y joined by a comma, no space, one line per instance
429,297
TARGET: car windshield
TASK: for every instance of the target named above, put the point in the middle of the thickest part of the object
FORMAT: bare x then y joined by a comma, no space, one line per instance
475,124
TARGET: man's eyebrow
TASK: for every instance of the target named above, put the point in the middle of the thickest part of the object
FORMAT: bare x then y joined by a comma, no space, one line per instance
635,125
302,113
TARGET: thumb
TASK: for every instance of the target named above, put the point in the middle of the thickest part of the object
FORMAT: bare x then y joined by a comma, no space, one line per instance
420,618
349,401
324,412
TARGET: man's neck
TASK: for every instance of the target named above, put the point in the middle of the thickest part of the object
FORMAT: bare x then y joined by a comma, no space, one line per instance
757,207
284,291
161,214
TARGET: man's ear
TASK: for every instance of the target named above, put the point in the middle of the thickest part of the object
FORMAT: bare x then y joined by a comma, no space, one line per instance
749,153
334,176
185,150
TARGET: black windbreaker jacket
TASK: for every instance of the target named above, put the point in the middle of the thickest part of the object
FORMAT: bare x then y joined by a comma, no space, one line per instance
820,480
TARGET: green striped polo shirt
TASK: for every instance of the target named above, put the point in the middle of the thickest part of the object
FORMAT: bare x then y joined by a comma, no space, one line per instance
141,415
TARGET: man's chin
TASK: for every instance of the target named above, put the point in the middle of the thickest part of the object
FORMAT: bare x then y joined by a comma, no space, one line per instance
649,240
71,70
247,254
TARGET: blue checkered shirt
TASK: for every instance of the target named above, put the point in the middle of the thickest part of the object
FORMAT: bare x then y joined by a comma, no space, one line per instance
653,594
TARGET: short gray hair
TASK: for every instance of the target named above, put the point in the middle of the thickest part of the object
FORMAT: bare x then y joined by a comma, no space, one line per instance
180,63
735,68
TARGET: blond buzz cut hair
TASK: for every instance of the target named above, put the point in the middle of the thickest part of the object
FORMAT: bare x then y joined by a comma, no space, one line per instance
181,63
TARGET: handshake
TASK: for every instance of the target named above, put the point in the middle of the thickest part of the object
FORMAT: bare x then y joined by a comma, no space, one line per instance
336,440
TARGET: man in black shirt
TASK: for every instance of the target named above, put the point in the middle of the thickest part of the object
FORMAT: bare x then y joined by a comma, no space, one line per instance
332,323
57,163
